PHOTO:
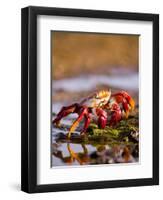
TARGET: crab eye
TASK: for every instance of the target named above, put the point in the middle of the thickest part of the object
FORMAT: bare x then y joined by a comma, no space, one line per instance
97,97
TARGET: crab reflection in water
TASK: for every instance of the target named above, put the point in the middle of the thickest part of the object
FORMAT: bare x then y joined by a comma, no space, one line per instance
104,154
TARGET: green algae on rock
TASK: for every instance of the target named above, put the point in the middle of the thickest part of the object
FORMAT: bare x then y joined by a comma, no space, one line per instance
126,130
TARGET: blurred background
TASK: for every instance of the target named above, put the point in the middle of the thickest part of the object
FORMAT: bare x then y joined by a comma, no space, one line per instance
83,63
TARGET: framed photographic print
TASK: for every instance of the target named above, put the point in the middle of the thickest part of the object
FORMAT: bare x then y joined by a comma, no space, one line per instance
90,99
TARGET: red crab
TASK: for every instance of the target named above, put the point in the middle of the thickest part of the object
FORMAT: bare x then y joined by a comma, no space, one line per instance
101,107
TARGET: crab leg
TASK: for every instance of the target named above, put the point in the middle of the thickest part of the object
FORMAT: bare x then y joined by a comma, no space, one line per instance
64,112
102,117
126,100
86,124
125,106
76,122
116,114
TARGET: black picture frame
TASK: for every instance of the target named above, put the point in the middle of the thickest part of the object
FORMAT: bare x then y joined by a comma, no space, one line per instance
29,98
